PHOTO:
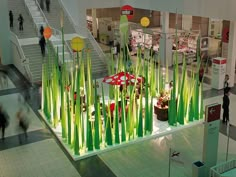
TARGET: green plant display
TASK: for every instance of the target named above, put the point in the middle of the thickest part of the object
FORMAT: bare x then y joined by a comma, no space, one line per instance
71,100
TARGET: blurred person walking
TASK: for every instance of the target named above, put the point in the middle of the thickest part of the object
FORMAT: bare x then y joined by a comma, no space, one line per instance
11,19
4,121
21,21
226,83
23,123
48,5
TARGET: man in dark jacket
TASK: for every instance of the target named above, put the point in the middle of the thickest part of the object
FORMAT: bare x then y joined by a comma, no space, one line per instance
42,44
225,106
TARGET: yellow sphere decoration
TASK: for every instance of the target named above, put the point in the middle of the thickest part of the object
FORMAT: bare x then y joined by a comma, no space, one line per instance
145,21
77,44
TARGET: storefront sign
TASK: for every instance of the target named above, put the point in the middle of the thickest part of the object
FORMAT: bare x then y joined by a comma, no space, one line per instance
211,135
128,11
218,72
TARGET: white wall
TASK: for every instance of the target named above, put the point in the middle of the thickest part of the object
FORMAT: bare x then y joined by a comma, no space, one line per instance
5,34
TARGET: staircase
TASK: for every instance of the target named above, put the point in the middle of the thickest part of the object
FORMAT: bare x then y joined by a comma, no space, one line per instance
54,16
99,67
35,63
18,7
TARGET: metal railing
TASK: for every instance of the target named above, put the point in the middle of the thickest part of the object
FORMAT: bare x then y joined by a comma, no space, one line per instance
223,167
77,28
24,61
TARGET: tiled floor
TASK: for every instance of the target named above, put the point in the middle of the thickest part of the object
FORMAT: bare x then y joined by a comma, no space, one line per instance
42,155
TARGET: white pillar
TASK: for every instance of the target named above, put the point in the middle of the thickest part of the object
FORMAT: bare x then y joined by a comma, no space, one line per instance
5,45
230,65
94,22
165,41
187,22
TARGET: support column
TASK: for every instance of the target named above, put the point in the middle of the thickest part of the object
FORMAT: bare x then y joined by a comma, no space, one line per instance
5,44
187,22
230,65
94,23
165,41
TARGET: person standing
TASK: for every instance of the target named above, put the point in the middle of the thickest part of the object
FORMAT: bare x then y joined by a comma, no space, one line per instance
48,5
21,21
225,106
226,83
42,44
11,19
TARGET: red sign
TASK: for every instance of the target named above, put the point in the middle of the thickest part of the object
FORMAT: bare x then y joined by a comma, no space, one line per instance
128,11
225,35
213,112
219,62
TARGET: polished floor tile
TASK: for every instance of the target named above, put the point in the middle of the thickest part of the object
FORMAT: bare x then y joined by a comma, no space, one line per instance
40,159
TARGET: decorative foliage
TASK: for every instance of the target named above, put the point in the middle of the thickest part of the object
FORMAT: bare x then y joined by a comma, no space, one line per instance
71,100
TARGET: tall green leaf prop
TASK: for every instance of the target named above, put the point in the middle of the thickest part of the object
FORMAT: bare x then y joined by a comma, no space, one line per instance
97,119
124,27
196,93
63,107
140,122
55,92
172,108
151,116
45,99
108,127
123,122
88,105
78,130
147,123
76,144
117,136
68,118
104,111
181,106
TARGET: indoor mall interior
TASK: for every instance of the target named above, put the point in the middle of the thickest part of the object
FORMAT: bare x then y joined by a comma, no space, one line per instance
118,88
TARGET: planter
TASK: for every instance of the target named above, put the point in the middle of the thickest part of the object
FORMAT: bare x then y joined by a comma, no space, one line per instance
162,113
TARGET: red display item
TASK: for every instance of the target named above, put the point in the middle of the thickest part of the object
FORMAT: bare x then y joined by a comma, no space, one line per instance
219,61
121,78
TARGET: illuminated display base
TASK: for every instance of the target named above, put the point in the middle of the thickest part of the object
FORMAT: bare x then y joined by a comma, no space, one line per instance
160,128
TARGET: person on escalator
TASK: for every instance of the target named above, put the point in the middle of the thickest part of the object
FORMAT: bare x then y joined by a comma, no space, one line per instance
48,5
42,44
21,21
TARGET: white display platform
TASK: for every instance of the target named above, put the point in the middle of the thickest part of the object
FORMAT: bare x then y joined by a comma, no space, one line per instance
160,128
218,72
